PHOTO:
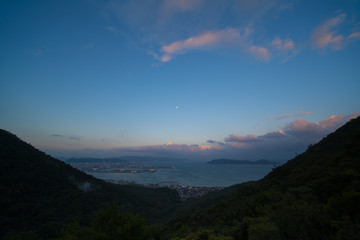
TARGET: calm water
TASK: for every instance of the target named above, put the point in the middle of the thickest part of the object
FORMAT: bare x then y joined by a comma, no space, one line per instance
193,174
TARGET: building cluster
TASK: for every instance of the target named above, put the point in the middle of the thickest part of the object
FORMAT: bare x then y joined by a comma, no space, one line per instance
185,192
116,167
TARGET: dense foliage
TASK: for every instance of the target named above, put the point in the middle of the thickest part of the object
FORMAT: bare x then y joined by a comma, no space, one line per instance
314,196
110,224
40,195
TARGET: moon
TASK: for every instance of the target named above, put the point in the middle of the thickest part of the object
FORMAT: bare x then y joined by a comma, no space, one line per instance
177,107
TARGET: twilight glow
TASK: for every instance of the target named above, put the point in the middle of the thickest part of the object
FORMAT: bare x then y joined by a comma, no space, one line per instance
190,79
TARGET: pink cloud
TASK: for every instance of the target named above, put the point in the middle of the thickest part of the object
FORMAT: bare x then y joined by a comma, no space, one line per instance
165,58
293,137
323,35
283,45
274,134
355,35
289,115
327,125
326,35
182,5
234,138
228,37
331,122
301,126
280,144
299,131
260,53
205,40
285,48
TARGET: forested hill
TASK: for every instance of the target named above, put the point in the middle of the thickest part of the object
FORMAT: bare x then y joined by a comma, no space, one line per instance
42,195
313,196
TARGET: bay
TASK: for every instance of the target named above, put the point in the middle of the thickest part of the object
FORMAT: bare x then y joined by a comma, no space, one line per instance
192,173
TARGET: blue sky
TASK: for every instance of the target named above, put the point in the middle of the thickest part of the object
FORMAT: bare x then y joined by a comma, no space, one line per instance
178,78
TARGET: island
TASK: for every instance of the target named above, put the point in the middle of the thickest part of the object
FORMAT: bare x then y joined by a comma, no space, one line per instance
243,162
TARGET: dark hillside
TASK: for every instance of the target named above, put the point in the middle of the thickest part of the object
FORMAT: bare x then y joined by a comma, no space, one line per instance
41,194
314,196
327,166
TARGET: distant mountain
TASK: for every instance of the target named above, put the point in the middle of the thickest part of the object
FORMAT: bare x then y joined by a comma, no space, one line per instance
316,195
117,159
89,160
243,162
43,195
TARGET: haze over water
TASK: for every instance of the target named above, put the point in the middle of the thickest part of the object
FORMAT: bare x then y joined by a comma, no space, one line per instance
194,173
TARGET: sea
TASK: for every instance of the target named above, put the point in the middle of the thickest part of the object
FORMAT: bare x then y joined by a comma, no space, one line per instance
192,173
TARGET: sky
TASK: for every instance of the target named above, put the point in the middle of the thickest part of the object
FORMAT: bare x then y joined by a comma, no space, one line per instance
194,79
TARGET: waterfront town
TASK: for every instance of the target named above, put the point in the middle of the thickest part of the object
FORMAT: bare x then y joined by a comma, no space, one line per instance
185,192
116,167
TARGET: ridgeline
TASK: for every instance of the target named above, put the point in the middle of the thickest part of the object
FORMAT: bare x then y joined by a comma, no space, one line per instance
42,195
316,195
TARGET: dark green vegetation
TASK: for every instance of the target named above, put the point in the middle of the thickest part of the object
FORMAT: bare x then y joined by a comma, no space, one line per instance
314,196
244,162
110,224
40,195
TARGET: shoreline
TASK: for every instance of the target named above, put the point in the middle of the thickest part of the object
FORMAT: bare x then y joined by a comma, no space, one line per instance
185,191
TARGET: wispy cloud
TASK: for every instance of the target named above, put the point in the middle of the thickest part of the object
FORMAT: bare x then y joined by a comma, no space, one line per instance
290,115
283,45
57,135
180,26
215,142
229,37
284,48
182,5
74,138
260,53
327,35
68,137
112,29
355,35
205,40
169,28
